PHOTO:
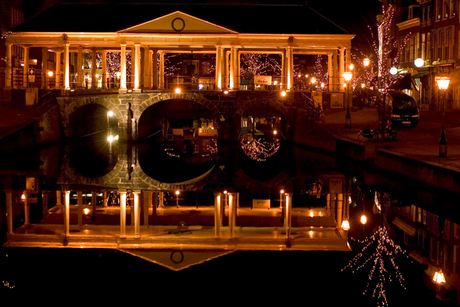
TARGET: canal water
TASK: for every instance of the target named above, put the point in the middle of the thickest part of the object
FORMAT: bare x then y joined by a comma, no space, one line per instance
375,273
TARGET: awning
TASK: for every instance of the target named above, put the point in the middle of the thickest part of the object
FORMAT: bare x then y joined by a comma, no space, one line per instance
410,230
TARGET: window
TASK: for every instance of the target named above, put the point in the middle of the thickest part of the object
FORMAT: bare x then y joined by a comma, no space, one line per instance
446,9
452,8
438,9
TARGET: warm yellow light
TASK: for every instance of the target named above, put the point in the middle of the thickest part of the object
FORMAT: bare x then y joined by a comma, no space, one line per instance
439,278
112,138
345,225
351,66
86,211
363,219
23,196
283,93
177,90
393,70
347,76
177,192
323,85
313,80
50,73
110,113
443,82
225,192
363,85
225,92
275,132
281,191
366,62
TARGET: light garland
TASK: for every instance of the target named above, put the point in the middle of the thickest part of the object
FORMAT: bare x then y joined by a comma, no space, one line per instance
385,253
260,149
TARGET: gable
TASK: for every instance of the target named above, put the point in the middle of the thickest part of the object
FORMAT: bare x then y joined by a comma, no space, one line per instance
178,22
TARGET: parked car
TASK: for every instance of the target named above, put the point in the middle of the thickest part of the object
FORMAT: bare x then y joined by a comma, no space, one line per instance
401,109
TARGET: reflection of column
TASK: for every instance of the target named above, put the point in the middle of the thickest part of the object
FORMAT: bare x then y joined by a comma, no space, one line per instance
147,200
27,207
339,216
25,79
137,222
217,213
288,214
123,67
67,213
232,200
80,207
9,211
8,68
122,214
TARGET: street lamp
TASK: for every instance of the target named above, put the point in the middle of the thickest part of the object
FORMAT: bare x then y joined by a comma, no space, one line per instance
366,62
419,62
443,84
347,76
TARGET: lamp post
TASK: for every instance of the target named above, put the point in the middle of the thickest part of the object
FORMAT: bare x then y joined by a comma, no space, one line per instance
347,76
443,84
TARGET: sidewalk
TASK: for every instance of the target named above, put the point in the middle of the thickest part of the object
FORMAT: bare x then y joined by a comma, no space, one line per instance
421,143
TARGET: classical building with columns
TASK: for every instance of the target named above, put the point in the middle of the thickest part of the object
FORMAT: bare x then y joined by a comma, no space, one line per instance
56,35
114,58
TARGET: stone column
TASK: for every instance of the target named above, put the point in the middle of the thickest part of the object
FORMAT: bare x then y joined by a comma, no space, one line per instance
154,58
217,213
289,68
123,67
147,68
233,67
58,198
341,68
44,66
93,69
25,79
329,71
122,214
219,65
161,77
8,68
79,67
339,214
137,66
67,66
104,70
57,73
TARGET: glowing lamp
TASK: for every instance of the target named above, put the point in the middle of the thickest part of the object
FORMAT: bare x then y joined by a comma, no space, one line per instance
177,192
439,278
177,90
345,225
347,76
366,62
283,93
363,219
393,71
110,113
443,82
50,73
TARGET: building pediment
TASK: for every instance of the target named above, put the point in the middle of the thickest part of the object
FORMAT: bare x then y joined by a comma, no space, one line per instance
178,22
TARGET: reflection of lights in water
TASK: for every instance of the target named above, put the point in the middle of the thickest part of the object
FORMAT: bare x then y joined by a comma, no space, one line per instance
382,260
260,149
7,284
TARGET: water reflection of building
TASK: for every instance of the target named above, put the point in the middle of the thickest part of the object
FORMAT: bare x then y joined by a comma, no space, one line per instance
433,241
